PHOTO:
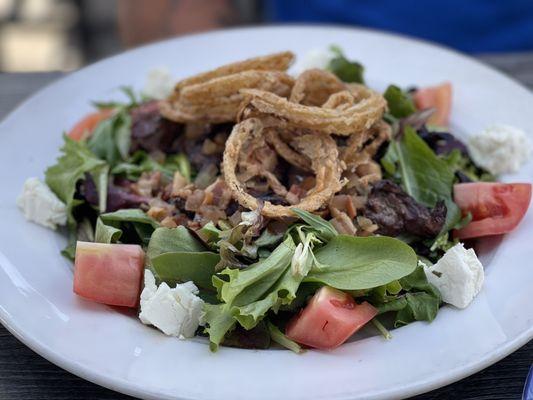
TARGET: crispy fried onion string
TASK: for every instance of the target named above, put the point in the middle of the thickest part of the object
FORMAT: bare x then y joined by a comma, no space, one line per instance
340,118
321,149
213,97
218,100
314,87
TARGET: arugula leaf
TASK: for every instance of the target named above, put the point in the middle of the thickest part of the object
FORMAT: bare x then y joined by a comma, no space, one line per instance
347,71
324,229
279,337
141,162
183,266
133,100
399,102
424,176
111,138
106,233
170,240
355,263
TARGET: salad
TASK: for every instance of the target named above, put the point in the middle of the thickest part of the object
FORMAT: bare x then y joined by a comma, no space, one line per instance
260,208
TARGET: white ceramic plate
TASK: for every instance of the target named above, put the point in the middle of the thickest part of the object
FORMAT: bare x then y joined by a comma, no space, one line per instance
116,351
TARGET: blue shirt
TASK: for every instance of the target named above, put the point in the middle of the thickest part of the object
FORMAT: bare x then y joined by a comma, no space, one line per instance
467,25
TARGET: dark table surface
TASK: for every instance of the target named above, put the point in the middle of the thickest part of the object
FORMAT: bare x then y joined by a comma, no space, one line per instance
26,375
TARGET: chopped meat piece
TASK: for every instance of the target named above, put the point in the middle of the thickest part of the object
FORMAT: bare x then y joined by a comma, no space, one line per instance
150,131
148,183
218,193
343,223
210,213
168,222
195,200
178,183
395,212
344,202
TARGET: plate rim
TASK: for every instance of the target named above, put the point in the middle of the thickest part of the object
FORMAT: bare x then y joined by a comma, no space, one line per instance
127,387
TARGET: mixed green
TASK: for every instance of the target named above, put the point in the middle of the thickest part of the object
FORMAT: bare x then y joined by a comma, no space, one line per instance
141,179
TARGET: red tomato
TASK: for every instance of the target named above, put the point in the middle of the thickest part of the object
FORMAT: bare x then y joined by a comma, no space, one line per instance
496,208
86,125
329,319
438,97
109,273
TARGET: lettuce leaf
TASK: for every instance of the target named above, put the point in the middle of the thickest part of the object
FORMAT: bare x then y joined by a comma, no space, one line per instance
76,161
248,294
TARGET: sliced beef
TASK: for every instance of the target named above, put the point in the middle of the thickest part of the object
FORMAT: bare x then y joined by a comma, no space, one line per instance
395,212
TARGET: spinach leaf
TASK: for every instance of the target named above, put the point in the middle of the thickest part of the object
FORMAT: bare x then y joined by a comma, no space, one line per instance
399,102
355,263
183,266
424,176
324,229
135,224
279,337
111,138
169,240
347,71
106,233
417,301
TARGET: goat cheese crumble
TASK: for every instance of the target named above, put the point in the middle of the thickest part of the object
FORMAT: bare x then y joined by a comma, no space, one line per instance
40,205
176,312
316,58
500,148
458,275
159,84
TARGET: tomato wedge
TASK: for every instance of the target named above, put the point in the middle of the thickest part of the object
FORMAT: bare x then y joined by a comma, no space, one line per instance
86,125
438,97
109,273
329,319
496,208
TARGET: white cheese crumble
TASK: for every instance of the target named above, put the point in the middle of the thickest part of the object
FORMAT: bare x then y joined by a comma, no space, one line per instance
500,148
316,58
159,84
176,312
458,275
40,205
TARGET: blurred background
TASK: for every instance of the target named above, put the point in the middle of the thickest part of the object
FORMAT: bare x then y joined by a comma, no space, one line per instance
62,35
